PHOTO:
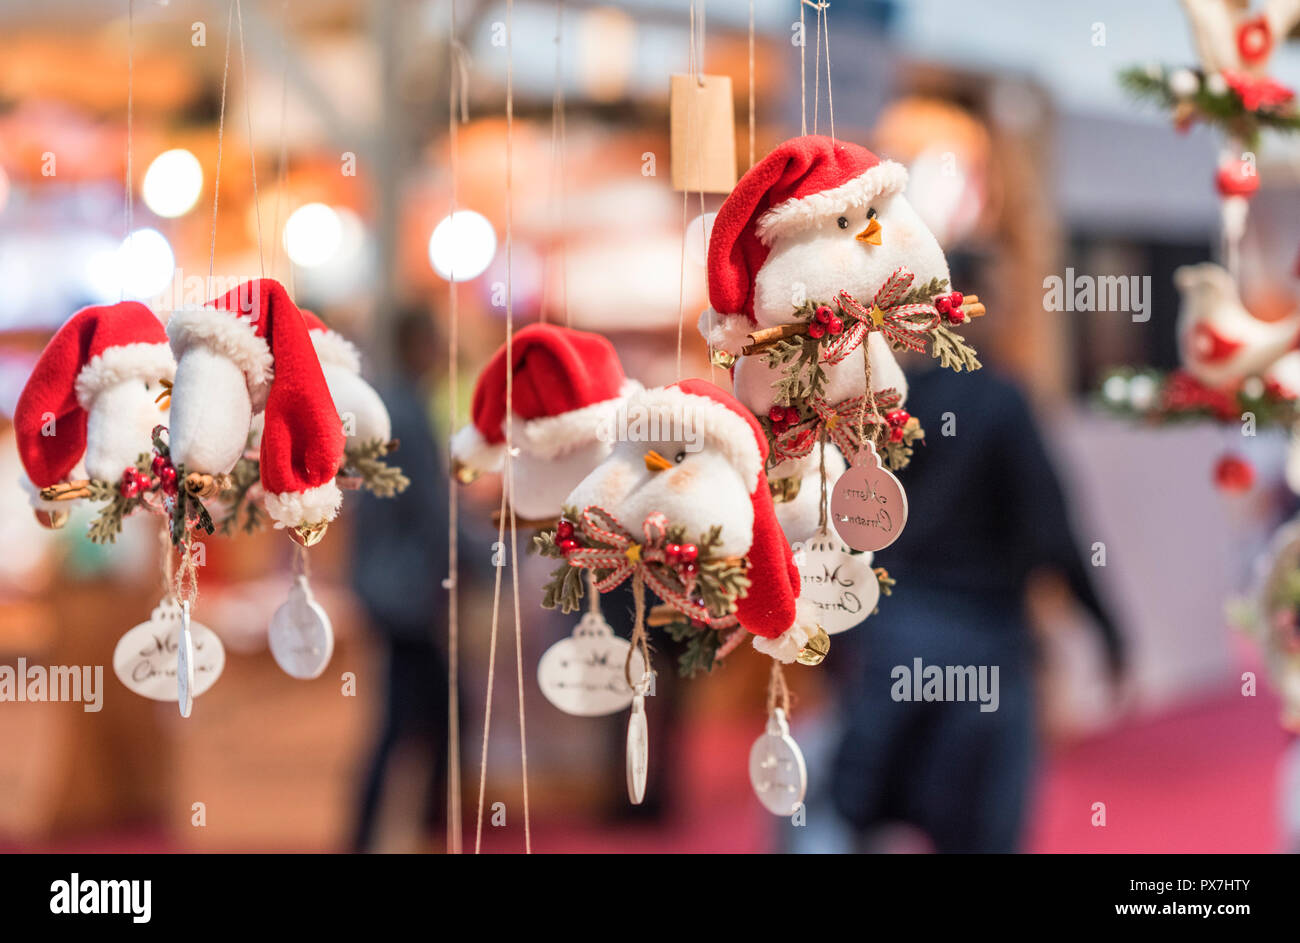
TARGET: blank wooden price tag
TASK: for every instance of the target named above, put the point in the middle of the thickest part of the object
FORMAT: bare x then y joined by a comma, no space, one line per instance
703,133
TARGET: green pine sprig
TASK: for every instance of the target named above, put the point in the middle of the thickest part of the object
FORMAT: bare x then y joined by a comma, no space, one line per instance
701,652
364,460
952,350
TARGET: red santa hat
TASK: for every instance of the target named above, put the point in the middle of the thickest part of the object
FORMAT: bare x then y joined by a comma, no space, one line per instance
771,609
259,328
804,182
98,348
564,383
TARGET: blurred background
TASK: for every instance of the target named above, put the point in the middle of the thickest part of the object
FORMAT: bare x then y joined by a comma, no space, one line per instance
335,172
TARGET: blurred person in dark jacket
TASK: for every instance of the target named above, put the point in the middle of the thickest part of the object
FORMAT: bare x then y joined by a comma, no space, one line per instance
986,512
398,564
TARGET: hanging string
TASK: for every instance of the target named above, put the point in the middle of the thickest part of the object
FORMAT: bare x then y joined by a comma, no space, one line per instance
822,517
593,594
639,642
830,95
167,559
817,67
301,562
128,210
252,152
559,168
456,82
778,692
692,70
869,403
803,73
282,170
221,130
507,507
752,111
492,642
510,465
185,579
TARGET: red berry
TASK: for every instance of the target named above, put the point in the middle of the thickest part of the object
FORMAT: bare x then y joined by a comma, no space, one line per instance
898,417
690,569
957,298
159,463
567,545
816,330
956,317
167,479
673,553
776,414
836,326
823,314
129,487
564,530
943,303
1233,474
896,434
689,553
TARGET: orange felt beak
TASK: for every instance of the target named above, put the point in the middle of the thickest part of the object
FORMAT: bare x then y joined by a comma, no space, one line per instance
655,462
870,235
164,399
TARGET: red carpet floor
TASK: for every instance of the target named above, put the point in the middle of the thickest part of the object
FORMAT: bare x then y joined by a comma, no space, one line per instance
1202,778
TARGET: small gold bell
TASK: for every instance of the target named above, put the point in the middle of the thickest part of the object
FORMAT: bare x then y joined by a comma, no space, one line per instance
720,358
308,535
463,473
51,520
784,490
814,653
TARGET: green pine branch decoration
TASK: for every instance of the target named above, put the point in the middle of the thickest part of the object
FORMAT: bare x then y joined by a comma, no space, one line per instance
245,474
701,652
1224,109
952,350
108,522
365,461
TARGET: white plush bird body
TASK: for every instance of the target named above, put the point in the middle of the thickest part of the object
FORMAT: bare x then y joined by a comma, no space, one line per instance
1219,341
564,388
703,469
813,219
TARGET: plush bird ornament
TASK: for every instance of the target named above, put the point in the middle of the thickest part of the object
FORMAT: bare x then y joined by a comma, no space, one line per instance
250,352
820,257
95,396
1220,343
683,509
566,387
362,413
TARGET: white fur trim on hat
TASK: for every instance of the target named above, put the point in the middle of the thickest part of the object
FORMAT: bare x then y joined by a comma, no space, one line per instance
314,506
230,335
552,436
470,448
333,347
673,410
786,646
141,361
729,332
793,215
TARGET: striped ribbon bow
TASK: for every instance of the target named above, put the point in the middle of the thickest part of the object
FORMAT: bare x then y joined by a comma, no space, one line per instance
903,325
620,555
840,422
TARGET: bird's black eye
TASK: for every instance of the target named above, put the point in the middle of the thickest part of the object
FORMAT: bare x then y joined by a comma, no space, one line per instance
679,457
844,222
871,213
